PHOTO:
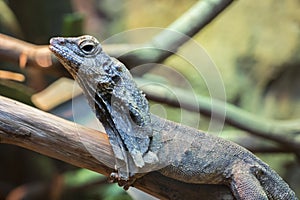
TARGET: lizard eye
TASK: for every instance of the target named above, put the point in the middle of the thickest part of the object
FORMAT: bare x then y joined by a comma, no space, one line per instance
87,47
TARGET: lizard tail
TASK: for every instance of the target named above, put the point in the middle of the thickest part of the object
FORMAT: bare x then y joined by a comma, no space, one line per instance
273,185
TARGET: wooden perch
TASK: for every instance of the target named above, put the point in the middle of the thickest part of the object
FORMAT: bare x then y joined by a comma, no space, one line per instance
52,136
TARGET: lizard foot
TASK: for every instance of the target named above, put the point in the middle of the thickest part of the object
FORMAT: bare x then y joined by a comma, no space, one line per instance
115,178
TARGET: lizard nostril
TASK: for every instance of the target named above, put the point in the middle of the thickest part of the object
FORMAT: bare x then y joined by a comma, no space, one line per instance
61,42
58,41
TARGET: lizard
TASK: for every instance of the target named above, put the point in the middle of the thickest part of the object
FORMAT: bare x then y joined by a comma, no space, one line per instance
143,142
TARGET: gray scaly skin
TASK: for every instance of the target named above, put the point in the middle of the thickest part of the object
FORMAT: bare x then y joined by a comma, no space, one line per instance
110,90
143,142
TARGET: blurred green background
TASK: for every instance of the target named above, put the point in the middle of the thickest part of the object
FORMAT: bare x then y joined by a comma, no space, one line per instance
254,44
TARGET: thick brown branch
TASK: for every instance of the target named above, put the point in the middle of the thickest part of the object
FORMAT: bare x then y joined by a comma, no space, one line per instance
52,136
38,131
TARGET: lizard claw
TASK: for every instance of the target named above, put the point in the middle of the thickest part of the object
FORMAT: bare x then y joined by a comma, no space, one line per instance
115,178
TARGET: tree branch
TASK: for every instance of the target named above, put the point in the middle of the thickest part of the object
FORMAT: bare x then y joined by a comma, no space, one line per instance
254,143
286,133
52,136
176,34
39,56
26,54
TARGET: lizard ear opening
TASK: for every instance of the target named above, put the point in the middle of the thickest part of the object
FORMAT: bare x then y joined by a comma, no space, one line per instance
135,118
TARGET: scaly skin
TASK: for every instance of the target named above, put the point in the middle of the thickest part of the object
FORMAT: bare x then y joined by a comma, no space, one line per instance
143,142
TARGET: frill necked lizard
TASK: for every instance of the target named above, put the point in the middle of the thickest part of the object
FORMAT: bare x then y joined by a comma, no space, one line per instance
143,142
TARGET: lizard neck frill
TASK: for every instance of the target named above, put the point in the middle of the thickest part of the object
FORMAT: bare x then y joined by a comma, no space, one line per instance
98,94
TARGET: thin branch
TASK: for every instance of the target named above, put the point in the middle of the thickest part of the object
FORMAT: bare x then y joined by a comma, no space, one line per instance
23,53
254,143
26,54
285,133
176,34
52,136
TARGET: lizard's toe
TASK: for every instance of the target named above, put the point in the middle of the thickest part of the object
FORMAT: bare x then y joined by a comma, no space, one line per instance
115,178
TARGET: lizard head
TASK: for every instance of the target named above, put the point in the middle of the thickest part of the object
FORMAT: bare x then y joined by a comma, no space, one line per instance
74,52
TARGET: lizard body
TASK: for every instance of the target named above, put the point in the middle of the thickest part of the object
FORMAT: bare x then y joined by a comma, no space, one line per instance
213,160
143,142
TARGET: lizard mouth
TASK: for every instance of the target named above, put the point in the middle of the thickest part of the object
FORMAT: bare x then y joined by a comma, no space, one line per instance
54,50
57,51
53,43
66,57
